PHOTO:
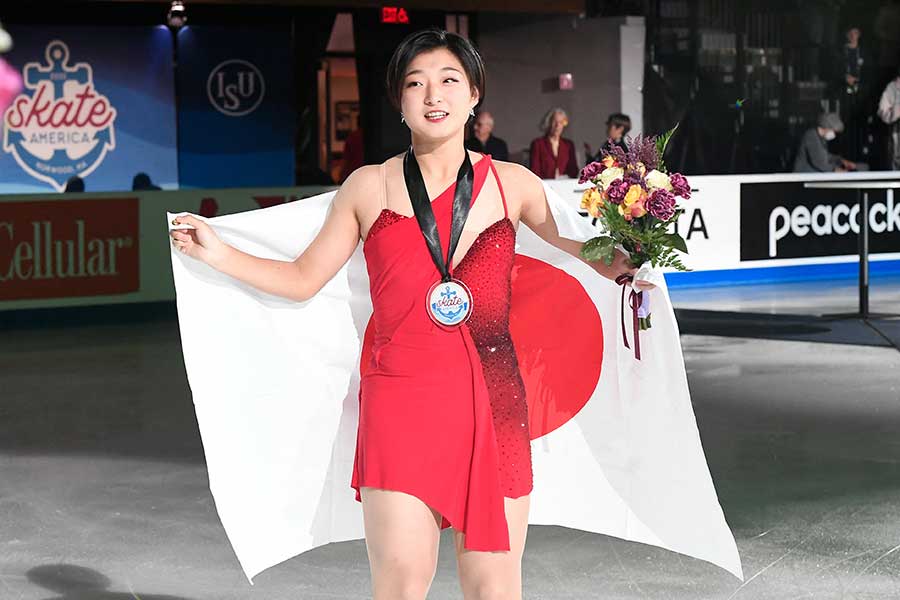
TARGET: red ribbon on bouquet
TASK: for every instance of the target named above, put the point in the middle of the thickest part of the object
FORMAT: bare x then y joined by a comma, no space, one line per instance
634,300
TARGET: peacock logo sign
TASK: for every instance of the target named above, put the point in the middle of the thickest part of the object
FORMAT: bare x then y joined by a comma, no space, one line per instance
60,126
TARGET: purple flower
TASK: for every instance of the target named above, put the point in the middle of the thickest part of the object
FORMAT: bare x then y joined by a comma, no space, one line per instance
635,178
661,204
590,171
680,185
642,149
617,190
617,153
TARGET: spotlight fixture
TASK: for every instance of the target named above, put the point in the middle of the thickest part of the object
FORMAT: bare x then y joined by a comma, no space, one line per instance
177,15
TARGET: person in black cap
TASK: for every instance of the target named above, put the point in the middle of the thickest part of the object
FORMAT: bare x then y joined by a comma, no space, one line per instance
813,155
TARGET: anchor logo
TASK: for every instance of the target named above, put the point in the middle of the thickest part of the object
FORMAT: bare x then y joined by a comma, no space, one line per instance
60,126
444,308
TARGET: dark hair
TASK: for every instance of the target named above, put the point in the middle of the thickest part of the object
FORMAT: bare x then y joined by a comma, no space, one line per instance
619,120
74,184
425,41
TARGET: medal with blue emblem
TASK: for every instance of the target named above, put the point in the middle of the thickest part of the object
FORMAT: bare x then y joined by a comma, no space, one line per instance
448,301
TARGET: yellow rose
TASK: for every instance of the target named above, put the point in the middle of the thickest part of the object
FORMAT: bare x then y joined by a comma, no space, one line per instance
658,180
592,200
598,201
609,175
586,197
634,193
608,161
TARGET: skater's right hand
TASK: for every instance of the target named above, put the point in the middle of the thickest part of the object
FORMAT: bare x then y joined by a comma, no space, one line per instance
200,243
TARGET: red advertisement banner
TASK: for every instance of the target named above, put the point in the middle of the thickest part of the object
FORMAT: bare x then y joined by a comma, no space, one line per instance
69,248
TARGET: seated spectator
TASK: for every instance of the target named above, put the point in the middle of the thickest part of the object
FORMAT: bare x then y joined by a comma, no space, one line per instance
142,182
74,184
553,156
813,155
617,127
483,139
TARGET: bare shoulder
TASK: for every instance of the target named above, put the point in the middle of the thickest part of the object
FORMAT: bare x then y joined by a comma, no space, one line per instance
516,174
356,190
518,180
361,179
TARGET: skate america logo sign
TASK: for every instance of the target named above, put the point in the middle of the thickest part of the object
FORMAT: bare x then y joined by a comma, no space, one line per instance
235,87
61,125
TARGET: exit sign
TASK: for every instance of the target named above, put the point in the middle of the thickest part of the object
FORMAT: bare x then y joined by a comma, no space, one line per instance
394,14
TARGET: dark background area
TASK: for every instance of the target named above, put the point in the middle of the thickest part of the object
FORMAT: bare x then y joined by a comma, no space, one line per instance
780,58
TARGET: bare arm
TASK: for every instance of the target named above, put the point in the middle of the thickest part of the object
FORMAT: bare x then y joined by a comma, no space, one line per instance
535,213
301,278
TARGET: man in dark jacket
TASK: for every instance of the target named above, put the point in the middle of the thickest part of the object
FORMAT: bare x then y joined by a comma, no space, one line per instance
484,141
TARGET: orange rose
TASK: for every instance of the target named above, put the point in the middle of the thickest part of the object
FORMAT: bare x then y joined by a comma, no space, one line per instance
608,161
637,209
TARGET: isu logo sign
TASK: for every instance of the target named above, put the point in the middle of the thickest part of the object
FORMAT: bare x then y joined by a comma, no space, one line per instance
61,126
68,248
235,87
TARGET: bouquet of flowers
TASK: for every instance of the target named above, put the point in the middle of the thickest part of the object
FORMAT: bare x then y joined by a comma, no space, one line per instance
635,200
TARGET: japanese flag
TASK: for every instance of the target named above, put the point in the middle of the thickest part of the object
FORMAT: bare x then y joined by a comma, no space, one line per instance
615,446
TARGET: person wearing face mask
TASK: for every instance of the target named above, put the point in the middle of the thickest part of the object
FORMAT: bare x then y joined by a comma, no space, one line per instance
813,155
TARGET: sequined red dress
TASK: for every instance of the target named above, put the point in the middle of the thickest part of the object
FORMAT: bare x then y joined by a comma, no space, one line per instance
443,415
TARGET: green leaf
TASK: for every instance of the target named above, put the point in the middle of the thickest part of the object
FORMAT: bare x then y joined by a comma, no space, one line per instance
609,254
676,241
597,248
661,142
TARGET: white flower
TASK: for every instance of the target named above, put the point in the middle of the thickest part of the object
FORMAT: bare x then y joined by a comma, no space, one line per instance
658,180
609,175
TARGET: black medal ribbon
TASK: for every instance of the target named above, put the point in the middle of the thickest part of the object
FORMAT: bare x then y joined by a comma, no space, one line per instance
418,196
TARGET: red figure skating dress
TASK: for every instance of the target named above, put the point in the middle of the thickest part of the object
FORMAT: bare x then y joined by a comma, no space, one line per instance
442,414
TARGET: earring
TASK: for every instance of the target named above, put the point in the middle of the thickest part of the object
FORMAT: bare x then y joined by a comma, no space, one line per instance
471,112
402,118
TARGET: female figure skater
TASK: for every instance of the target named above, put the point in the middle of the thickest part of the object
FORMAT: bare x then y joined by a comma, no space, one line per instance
443,437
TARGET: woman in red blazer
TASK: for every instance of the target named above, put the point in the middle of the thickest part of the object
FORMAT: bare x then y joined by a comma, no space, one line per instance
553,156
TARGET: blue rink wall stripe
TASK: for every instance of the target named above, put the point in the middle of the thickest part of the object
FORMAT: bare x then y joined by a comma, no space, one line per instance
843,270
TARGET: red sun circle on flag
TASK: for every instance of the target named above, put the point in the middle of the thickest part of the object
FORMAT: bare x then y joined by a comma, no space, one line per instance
558,336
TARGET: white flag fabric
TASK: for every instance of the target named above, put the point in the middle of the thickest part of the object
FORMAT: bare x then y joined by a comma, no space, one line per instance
275,385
